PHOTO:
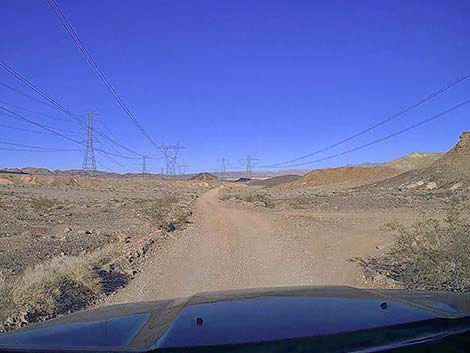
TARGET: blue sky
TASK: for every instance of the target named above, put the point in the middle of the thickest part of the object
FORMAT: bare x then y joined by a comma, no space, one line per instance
275,79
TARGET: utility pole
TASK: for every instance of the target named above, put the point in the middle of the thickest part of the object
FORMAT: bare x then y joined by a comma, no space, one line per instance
89,161
249,162
171,154
144,165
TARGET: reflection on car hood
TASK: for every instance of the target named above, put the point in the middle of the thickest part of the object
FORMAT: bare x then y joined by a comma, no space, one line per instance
239,316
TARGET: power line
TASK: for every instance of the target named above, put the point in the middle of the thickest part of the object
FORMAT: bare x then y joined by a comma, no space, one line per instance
26,95
91,61
39,132
57,105
380,123
36,112
105,154
26,130
20,117
422,122
32,150
38,148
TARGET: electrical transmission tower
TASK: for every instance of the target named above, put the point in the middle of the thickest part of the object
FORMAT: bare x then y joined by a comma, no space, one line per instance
171,154
223,165
89,161
249,163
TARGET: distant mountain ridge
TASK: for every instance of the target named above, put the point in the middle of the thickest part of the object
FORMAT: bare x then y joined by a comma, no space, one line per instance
411,162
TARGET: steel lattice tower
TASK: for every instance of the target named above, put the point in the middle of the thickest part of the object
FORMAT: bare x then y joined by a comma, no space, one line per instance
223,165
171,154
249,162
89,161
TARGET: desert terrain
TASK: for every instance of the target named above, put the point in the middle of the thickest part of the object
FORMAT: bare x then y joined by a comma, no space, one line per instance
71,242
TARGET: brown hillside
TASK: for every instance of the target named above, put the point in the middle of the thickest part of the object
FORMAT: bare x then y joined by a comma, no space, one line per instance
451,171
343,177
275,181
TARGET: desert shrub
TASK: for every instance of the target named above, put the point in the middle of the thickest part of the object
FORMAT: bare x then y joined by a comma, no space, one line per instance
58,286
165,212
431,254
301,202
40,203
264,199
226,196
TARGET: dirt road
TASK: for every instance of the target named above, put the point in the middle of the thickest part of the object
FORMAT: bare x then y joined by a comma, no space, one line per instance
229,248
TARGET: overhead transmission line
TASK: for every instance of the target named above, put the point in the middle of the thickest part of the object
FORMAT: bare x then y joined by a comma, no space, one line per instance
380,123
26,95
32,150
422,122
39,148
91,61
25,130
57,105
42,114
106,154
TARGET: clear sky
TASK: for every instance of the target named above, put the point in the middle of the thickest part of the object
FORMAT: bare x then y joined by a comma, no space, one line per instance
275,79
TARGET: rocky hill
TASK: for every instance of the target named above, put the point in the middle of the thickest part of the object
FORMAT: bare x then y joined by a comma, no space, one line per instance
413,161
450,171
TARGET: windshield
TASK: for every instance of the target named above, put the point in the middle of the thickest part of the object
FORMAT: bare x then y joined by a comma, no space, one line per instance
153,150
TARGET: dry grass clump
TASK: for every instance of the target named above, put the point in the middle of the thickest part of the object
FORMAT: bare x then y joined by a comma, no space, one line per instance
432,254
58,286
40,203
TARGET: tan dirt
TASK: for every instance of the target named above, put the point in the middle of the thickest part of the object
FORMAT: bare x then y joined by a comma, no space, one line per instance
232,248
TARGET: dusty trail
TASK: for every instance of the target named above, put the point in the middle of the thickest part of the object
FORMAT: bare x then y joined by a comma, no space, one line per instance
229,248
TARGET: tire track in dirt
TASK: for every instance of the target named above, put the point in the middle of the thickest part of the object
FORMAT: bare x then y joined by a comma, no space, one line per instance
226,248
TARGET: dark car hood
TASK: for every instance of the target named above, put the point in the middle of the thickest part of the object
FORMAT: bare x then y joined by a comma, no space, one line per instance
238,316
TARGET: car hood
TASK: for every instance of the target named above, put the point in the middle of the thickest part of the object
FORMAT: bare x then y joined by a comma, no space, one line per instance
237,317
